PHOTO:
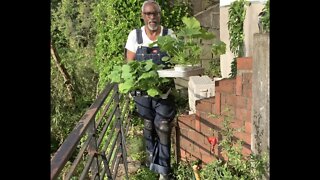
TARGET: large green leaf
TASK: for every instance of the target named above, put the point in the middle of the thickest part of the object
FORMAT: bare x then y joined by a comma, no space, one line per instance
126,86
152,92
191,23
149,65
188,32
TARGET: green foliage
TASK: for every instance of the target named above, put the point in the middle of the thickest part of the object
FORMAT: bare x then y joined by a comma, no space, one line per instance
233,72
214,68
172,13
237,165
89,37
265,19
237,13
183,171
185,49
139,75
73,36
217,49
144,173
136,148
114,20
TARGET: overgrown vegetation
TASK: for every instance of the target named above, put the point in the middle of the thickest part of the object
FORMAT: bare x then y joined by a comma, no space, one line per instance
185,49
89,38
72,90
217,49
236,165
237,13
139,75
232,165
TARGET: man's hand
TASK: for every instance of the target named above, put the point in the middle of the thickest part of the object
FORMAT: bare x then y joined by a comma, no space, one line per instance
130,56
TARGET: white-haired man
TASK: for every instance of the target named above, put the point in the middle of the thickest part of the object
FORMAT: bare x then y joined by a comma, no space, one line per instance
157,112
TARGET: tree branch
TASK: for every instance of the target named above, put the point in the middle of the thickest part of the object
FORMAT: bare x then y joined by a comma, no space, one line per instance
63,70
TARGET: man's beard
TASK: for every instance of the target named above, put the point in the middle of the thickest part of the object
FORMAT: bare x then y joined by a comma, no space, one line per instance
151,27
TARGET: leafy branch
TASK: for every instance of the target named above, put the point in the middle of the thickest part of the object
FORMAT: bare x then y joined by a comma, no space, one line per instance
185,49
139,75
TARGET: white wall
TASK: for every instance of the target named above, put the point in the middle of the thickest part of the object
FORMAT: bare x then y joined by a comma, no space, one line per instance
228,2
250,28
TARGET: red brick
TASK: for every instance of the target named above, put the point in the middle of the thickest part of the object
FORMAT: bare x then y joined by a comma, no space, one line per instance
237,124
185,143
231,100
192,158
239,85
241,114
246,137
212,109
244,63
217,103
207,158
197,121
195,151
203,106
184,131
249,104
208,100
194,135
247,125
206,130
241,102
182,152
197,125
246,151
186,121
226,85
247,78
228,110
248,119
247,90
223,98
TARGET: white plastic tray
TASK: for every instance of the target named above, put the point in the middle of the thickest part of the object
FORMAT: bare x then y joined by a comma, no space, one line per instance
172,73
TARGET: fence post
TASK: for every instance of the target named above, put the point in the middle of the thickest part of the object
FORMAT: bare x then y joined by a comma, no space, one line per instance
122,134
93,149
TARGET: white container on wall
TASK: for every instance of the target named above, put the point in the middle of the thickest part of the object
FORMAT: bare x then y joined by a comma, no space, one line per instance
199,87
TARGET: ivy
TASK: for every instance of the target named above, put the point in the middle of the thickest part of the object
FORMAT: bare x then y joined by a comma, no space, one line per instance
237,13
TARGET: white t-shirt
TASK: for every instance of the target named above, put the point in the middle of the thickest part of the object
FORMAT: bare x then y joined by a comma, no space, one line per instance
132,44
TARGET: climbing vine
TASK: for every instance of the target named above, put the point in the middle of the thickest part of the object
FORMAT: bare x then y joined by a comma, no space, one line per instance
237,13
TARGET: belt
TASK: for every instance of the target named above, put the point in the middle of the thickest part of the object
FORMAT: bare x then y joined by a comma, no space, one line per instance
138,93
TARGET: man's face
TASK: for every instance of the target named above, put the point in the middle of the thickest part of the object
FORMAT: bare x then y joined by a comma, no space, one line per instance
151,16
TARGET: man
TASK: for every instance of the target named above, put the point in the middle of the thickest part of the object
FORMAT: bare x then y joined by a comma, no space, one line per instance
157,112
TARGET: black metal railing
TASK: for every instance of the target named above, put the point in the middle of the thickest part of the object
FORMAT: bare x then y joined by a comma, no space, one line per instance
96,146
